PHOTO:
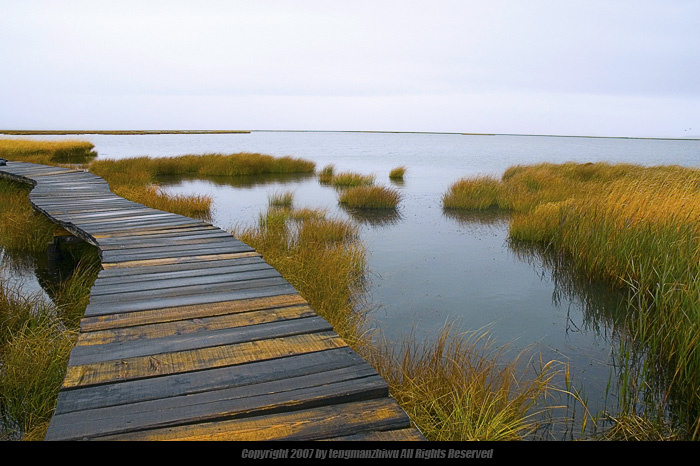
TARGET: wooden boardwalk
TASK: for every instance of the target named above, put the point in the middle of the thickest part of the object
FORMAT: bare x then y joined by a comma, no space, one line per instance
191,335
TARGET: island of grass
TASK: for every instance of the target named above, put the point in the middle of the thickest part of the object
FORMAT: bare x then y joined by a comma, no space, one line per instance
370,197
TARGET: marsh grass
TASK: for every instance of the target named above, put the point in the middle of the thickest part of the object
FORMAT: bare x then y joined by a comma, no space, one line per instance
36,338
47,152
21,228
281,199
397,173
325,176
637,228
460,386
351,179
320,256
456,388
136,178
244,163
370,197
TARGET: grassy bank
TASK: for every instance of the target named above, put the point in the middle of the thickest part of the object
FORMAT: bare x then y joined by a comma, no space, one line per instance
47,152
456,388
633,226
36,334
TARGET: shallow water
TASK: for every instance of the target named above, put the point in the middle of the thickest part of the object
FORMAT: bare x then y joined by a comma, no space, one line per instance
428,266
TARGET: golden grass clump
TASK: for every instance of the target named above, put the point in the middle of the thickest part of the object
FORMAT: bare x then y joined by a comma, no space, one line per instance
397,173
243,163
21,227
47,152
350,179
325,176
195,206
321,257
458,387
280,199
370,197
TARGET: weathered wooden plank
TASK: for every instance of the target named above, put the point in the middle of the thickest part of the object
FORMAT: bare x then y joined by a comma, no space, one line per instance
186,291
175,385
190,326
135,273
189,300
199,227
135,242
248,264
162,284
198,359
303,425
178,260
93,354
339,386
198,311
179,252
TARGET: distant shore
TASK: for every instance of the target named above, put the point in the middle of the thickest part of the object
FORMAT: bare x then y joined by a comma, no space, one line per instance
138,132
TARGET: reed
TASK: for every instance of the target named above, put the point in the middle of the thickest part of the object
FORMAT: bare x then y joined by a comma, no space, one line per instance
636,227
321,257
455,388
36,337
370,197
350,179
21,228
244,163
460,386
397,173
325,176
47,152
280,199
195,206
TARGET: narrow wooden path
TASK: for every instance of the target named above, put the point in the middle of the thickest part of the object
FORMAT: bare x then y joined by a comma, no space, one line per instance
191,335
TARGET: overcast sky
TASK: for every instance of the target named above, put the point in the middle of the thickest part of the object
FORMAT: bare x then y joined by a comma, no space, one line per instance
603,68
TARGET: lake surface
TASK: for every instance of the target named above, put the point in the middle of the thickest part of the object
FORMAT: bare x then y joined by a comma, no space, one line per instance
428,267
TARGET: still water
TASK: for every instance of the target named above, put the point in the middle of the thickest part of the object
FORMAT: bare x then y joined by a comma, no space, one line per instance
428,267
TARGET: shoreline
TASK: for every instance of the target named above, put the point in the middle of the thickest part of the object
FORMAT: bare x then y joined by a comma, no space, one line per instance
157,132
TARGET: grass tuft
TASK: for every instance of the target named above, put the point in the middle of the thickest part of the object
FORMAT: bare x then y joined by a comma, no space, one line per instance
370,197
397,173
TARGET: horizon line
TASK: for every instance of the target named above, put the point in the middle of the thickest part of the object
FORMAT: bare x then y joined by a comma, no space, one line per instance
194,131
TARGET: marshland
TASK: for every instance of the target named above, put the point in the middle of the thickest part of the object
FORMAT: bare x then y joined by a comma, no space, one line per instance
514,287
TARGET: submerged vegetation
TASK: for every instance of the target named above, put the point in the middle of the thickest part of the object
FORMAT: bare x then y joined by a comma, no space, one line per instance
637,228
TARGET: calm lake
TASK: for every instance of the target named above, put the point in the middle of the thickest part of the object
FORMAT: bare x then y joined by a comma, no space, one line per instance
429,267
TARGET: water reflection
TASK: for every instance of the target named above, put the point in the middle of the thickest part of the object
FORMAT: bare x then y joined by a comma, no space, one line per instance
246,181
603,306
492,217
374,217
